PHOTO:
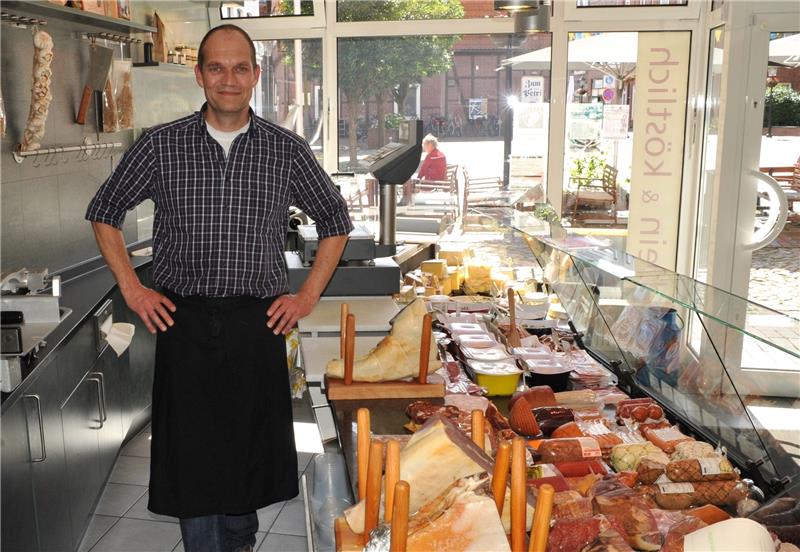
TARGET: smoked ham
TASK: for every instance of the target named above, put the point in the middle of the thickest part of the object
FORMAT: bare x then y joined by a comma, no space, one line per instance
397,354
40,91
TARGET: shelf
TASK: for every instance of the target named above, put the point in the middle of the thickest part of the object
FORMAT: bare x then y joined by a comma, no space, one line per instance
48,10
165,66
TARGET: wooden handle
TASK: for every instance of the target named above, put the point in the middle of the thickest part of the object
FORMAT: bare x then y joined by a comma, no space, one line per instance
349,348
84,107
374,474
478,428
362,450
399,533
425,348
513,335
392,477
500,474
541,519
343,329
518,495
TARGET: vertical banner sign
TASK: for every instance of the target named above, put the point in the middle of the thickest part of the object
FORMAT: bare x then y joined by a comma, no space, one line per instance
532,90
662,75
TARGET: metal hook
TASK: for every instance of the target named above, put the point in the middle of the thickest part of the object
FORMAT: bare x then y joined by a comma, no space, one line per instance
65,158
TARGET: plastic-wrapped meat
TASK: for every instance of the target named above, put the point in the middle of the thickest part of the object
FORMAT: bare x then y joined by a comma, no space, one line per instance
674,539
571,505
573,534
421,411
633,514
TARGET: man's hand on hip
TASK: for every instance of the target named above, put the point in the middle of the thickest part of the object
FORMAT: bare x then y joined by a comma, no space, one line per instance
286,310
152,307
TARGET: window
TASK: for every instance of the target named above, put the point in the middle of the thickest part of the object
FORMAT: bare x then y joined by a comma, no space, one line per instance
415,10
265,8
628,3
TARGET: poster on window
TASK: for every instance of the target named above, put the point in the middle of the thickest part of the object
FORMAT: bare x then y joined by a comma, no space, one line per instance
478,108
530,129
583,122
615,122
532,90
662,74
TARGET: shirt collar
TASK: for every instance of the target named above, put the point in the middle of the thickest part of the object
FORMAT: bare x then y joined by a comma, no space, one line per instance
201,119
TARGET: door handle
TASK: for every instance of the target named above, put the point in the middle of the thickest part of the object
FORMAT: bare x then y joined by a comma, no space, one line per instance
102,393
777,215
41,427
99,401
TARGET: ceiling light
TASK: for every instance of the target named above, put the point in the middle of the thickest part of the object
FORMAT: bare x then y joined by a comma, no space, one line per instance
515,5
533,20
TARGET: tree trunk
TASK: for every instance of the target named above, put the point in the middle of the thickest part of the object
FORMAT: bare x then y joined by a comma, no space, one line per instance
352,115
400,97
380,99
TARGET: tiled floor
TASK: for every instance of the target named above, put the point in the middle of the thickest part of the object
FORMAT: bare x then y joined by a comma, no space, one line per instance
122,523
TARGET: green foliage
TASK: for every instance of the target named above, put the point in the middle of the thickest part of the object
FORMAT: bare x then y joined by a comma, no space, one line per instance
589,166
785,104
545,212
392,120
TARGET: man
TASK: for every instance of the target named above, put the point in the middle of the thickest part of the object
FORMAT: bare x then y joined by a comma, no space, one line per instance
222,181
434,167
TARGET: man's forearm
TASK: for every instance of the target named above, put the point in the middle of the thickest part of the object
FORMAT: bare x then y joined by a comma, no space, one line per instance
328,255
112,246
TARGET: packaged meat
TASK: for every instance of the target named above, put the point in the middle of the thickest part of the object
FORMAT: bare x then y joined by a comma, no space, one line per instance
550,418
633,514
701,469
568,450
523,421
627,478
583,484
570,429
570,505
693,449
610,539
626,457
665,438
466,328
650,469
581,397
673,542
532,353
625,408
709,514
679,496
535,397
777,506
579,469
573,534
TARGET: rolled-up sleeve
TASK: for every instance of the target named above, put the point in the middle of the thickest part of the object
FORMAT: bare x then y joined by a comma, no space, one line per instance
314,192
127,187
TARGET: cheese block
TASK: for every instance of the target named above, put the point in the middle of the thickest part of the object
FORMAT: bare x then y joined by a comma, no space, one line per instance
437,267
454,253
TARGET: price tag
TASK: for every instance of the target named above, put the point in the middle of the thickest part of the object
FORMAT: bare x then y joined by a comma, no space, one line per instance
676,488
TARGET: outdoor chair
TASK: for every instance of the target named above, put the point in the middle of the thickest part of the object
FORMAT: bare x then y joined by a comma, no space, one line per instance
447,185
484,192
595,197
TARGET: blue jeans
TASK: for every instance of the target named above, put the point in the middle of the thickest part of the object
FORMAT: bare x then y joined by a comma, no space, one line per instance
220,533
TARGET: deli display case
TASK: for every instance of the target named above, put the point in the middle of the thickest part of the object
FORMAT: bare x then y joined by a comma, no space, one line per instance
726,369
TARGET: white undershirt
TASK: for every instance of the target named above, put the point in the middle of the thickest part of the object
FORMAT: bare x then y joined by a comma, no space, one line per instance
225,139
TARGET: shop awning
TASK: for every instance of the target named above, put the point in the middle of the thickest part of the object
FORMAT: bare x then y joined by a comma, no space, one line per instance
785,51
606,48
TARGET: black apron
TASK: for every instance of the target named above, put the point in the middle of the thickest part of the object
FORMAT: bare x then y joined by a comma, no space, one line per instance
222,436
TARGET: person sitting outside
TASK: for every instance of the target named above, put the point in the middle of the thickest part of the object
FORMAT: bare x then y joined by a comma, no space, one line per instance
434,167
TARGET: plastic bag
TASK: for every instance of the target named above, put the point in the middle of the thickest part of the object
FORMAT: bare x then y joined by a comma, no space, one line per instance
297,378
118,97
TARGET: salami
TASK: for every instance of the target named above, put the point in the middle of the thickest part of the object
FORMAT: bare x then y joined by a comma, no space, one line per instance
701,469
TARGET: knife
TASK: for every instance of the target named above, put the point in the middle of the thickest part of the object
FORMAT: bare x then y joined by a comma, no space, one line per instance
99,64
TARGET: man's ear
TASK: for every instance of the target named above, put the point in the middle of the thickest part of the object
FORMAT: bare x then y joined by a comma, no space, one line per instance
198,76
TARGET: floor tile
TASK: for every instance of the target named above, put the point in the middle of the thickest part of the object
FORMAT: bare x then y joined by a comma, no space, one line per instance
98,527
118,498
132,470
291,520
137,535
266,516
259,539
140,511
277,542
138,446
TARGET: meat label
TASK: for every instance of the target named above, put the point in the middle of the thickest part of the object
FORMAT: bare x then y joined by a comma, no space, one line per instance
709,466
676,488
589,447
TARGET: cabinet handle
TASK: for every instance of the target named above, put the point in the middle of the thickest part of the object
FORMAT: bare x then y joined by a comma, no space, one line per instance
41,427
102,393
99,401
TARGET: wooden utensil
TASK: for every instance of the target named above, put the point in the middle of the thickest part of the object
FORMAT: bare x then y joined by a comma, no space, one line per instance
399,533
513,334
518,495
392,477
349,348
500,474
343,328
373,498
362,449
425,348
478,428
541,519
99,64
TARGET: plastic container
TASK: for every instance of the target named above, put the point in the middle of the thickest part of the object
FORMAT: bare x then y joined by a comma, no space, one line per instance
479,341
548,372
499,378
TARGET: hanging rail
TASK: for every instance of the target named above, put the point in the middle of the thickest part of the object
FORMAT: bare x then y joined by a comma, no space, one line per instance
111,37
19,156
21,21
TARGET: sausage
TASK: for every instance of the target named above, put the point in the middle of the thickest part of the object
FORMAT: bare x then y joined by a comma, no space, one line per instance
679,496
787,533
701,469
579,469
789,517
649,470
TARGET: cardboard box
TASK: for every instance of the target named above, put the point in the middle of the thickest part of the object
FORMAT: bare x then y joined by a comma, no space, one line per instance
94,6
111,8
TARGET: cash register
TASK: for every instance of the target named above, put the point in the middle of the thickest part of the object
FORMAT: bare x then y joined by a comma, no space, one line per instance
367,267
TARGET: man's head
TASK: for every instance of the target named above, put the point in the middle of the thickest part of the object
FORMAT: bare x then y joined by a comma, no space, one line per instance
227,70
429,143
